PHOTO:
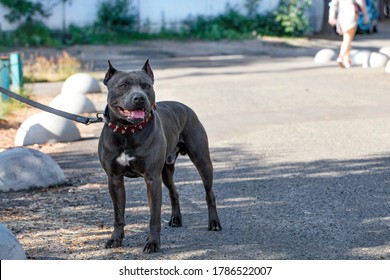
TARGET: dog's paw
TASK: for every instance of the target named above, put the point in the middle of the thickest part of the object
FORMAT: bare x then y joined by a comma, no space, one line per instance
116,239
175,222
215,225
113,243
152,247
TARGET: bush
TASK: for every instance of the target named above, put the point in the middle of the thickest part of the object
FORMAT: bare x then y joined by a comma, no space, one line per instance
291,17
230,25
79,35
265,25
116,23
29,35
288,20
34,34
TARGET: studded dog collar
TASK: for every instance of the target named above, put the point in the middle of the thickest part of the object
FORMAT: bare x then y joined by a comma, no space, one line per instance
127,129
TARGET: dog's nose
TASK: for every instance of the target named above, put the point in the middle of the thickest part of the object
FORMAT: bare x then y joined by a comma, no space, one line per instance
139,98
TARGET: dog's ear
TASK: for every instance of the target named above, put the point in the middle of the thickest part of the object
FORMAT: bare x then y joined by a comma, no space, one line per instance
148,70
110,72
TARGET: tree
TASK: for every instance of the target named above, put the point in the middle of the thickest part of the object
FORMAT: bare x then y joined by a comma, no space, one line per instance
23,10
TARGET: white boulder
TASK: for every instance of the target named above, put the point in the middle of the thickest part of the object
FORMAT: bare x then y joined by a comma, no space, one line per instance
23,168
325,55
10,248
378,60
387,69
360,57
386,51
80,83
75,104
46,128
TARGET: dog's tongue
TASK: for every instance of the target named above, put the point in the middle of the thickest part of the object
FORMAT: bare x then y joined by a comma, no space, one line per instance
137,114
131,115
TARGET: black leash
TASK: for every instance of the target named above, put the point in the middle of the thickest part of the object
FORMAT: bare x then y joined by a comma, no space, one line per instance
73,117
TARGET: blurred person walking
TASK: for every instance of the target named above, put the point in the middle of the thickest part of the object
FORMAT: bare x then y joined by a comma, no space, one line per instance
344,14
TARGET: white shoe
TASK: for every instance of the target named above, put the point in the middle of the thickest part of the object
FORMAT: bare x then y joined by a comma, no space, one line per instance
340,62
347,64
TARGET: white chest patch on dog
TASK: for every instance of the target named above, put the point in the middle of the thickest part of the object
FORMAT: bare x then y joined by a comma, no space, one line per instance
124,159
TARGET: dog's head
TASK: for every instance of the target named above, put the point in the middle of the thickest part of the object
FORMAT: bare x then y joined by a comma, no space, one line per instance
130,93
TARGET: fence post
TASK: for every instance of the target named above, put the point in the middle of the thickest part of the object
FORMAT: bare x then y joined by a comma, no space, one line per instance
4,75
16,68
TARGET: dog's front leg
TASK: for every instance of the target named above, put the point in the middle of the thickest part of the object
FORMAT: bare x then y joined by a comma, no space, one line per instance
118,197
154,199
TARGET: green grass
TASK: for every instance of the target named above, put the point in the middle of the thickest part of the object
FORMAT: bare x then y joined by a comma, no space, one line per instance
9,105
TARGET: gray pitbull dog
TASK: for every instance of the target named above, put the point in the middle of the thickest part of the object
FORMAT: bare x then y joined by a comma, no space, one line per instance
142,138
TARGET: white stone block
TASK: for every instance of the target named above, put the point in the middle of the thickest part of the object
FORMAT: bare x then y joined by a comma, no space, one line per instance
378,60
80,83
23,168
325,55
10,248
75,104
46,128
387,69
386,51
360,57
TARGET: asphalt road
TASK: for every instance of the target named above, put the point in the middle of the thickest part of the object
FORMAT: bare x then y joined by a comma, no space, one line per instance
301,153
301,156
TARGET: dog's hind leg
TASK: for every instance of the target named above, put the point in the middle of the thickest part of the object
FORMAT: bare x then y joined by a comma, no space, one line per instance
198,151
167,177
205,168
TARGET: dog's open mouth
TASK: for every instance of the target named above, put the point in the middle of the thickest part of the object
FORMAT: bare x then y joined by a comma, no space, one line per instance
131,115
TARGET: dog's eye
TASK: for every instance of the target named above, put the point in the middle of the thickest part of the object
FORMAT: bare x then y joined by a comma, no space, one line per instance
145,86
122,86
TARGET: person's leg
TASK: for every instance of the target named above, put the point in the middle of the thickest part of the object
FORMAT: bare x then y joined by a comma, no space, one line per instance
346,46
